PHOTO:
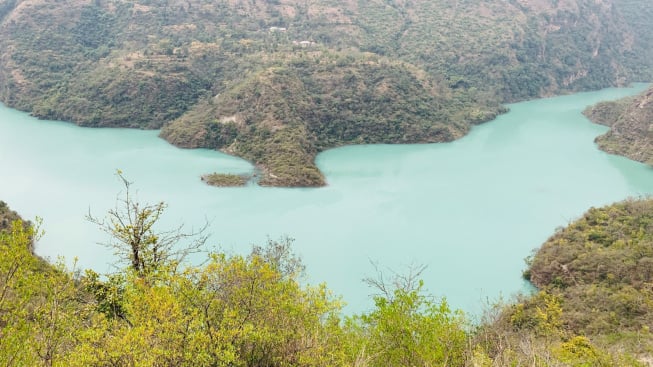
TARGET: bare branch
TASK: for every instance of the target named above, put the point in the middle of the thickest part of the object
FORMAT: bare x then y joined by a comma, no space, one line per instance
279,254
406,281
131,226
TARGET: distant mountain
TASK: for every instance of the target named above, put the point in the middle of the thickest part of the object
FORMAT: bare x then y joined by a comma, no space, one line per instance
631,126
148,63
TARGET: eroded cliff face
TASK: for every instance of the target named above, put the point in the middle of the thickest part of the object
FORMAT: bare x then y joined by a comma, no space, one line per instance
631,126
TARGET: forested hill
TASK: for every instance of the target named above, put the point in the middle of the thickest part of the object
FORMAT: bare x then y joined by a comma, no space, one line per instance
631,126
282,116
150,64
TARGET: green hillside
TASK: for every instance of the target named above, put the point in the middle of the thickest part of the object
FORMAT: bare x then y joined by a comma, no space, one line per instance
600,271
282,116
631,126
145,64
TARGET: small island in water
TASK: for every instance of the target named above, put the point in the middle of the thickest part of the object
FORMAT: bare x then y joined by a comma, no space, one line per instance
225,179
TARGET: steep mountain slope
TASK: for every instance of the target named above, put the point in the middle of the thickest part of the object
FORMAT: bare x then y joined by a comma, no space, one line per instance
631,123
146,63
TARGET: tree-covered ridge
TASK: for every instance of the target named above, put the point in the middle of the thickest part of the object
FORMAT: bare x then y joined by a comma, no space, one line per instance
599,269
593,308
282,116
516,49
146,63
631,126
605,257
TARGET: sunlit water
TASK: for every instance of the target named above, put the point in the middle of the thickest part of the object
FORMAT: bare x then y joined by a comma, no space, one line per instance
470,210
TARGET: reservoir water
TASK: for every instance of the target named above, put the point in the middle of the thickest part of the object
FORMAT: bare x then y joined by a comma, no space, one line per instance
470,210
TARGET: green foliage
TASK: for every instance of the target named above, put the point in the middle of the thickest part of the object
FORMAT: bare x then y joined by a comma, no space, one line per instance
579,352
236,311
254,310
541,313
40,307
410,329
16,264
108,293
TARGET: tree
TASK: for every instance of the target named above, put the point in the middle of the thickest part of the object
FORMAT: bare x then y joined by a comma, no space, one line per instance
134,239
16,292
232,311
41,308
407,327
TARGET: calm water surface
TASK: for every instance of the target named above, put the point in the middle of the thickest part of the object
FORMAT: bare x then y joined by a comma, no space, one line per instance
470,210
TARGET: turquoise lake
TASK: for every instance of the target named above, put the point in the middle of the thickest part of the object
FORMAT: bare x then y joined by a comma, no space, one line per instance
470,210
